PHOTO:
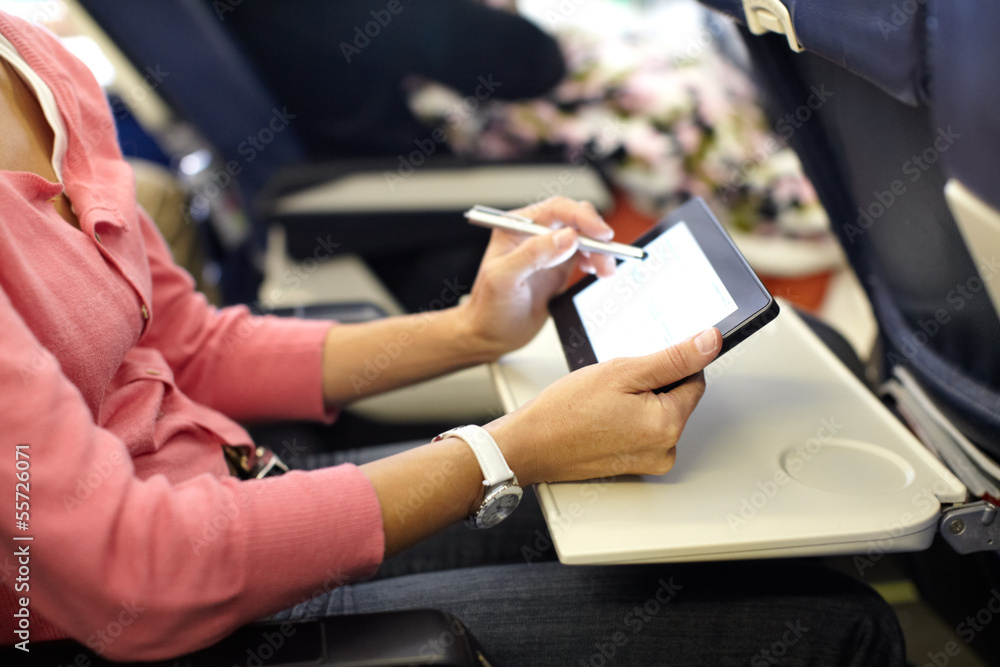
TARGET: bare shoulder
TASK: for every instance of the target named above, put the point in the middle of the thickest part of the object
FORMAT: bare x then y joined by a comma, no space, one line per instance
26,143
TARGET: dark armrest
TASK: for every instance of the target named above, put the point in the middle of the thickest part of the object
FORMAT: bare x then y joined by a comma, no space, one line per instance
346,312
408,210
421,636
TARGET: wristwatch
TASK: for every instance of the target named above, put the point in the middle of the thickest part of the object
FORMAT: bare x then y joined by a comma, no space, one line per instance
502,490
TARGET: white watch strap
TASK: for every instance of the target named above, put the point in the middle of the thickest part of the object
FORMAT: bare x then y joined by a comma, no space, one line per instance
491,460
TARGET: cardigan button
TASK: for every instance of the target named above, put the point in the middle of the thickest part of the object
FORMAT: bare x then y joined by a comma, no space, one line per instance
152,371
145,312
97,237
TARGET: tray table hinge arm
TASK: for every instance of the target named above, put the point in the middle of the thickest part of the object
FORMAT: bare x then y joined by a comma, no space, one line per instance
971,527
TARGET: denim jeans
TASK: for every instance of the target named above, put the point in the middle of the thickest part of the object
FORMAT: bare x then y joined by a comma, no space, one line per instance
527,609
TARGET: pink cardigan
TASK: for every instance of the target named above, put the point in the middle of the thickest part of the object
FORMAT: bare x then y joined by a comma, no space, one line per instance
123,383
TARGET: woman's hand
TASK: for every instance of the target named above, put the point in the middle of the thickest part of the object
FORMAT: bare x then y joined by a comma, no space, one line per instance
598,421
605,419
519,274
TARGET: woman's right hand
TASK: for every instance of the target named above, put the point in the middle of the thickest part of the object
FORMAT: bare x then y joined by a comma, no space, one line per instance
605,419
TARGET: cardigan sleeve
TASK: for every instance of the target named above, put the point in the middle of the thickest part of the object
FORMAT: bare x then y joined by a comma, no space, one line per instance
245,365
192,561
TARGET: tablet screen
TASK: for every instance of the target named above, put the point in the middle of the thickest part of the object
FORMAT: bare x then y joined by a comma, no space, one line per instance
693,277
653,303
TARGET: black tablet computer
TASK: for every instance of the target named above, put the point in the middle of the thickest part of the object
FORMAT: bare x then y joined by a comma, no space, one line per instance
693,277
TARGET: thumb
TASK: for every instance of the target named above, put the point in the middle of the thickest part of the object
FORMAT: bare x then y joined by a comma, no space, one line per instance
673,363
540,252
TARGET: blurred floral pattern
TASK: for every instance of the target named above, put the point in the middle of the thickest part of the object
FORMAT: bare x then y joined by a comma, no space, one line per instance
663,127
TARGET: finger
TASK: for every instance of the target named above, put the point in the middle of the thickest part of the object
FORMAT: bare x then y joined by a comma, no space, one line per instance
679,404
586,263
539,252
597,264
604,265
671,458
671,364
685,396
582,216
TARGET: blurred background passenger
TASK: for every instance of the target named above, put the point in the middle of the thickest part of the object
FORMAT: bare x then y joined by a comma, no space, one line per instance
342,66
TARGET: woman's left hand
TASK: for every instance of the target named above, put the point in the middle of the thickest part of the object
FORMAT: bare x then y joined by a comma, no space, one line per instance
519,273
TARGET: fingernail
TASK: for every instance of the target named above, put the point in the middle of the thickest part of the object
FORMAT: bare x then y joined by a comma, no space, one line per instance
706,342
564,238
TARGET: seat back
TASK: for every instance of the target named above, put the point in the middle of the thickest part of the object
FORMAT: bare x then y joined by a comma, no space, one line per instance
887,102
206,78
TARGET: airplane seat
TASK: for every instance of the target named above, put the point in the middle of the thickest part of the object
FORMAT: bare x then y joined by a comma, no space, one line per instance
892,114
409,226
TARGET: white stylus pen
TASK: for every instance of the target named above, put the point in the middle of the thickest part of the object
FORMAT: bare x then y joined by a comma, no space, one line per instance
484,216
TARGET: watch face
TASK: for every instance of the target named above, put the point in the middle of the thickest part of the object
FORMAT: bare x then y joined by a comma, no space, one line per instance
498,506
